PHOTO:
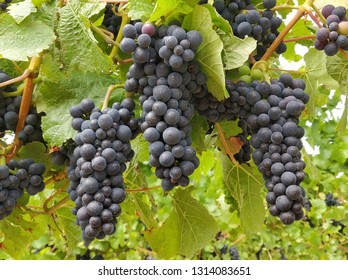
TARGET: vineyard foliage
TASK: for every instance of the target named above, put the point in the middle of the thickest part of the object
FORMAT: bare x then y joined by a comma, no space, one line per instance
71,58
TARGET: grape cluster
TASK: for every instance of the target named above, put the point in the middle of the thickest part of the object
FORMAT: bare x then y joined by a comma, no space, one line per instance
96,166
234,253
165,74
276,137
245,21
4,4
335,35
111,20
330,200
61,155
15,178
270,114
9,109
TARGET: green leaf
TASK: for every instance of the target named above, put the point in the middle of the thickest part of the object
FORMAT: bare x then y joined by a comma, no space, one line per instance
79,49
199,129
90,9
337,69
20,41
59,91
315,75
230,128
19,11
218,20
188,228
342,124
140,9
244,185
37,151
209,53
236,51
165,8
143,210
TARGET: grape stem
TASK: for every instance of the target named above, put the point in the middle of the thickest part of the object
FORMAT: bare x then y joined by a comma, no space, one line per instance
309,37
305,8
103,34
22,77
343,53
319,14
115,49
314,18
142,189
285,7
55,207
18,92
26,103
289,71
108,94
231,155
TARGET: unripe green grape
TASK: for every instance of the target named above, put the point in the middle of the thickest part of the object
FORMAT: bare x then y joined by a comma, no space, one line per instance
256,74
245,78
343,28
244,70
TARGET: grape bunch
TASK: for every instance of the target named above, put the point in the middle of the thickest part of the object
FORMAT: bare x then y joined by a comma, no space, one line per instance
334,35
165,75
276,137
62,154
111,20
9,110
4,4
15,178
98,161
245,21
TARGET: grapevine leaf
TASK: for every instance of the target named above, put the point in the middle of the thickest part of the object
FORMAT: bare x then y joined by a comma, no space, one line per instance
218,20
143,210
244,186
337,69
19,11
90,9
58,92
230,128
37,151
199,128
236,51
68,228
209,52
342,124
140,9
188,228
316,75
20,41
86,55
165,8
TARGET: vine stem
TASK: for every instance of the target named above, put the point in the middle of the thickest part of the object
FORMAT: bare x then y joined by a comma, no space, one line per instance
18,92
108,94
22,77
314,18
104,36
301,12
289,71
114,51
142,189
54,208
343,53
231,155
26,103
309,37
285,7
319,14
